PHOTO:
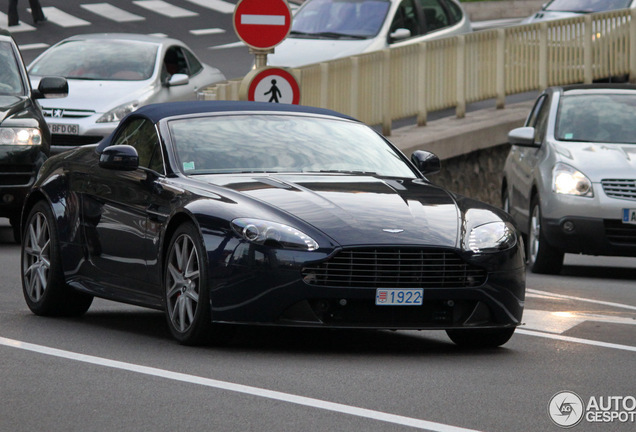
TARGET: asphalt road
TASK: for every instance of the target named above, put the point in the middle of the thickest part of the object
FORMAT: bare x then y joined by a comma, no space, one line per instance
117,368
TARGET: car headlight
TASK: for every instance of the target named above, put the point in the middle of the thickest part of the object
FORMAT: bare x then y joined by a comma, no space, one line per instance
116,114
20,136
568,181
273,233
491,237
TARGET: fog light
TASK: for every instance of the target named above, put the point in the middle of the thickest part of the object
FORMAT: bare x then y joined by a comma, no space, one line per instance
568,226
7,198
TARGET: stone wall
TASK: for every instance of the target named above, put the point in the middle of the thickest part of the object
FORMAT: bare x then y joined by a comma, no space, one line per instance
477,174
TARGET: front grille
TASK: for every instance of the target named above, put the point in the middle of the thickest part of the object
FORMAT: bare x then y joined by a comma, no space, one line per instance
620,233
66,113
74,140
620,188
394,268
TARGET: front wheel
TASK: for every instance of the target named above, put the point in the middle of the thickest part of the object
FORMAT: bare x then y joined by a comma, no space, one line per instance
542,258
43,284
481,338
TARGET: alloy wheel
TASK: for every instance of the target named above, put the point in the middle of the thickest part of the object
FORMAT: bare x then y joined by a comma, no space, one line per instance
183,283
36,254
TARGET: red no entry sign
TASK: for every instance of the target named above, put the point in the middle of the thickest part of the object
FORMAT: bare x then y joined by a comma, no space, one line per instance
262,24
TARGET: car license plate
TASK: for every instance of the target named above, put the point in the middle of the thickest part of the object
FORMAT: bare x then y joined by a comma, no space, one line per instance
398,297
629,216
64,129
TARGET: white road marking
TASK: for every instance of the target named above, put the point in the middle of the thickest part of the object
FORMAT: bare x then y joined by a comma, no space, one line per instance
546,294
111,12
61,18
27,47
575,340
202,32
216,5
164,8
561,321
21,27
238,388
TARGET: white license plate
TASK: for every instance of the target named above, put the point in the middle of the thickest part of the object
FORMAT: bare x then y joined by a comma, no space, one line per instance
629,216
64,129
398,297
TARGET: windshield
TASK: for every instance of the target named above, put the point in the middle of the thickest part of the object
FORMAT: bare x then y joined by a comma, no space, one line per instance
587,6
10,78
99,59
333,19
606,118
282,143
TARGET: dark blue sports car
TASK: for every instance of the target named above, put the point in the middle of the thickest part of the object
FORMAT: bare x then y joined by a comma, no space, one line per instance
224,213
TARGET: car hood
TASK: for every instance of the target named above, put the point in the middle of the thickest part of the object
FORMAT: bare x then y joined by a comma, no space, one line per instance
358,210
296,52
10,105
98,96
549,16
599,161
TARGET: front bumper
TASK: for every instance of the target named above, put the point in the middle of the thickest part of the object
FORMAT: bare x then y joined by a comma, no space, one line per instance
18,170
591,236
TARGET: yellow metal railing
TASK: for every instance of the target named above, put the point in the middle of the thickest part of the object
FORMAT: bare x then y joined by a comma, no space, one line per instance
412,80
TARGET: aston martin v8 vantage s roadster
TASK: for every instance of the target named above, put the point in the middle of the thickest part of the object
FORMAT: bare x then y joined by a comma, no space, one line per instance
226,213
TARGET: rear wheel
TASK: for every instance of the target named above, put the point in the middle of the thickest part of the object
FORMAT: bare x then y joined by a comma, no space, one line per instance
542,258
481,338
43,284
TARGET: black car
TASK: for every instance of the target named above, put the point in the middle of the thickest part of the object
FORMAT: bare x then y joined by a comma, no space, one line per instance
267,214
24,136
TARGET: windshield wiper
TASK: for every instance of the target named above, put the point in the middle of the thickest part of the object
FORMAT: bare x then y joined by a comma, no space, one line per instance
354,172
329,35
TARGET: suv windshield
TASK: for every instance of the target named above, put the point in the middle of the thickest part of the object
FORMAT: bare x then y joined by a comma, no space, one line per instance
335,19
98,59
282,143
606,118
10,78
586,6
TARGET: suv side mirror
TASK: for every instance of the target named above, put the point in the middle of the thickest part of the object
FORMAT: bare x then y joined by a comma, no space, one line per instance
523,136
426,162
51,87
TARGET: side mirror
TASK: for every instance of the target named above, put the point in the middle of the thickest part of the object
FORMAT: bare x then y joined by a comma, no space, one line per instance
120,158
399,34
178,79
51,88
426,162
523,136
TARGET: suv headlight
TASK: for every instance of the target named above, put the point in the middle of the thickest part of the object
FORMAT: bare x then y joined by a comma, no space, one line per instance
273,233
491,237
116,114
20,136
568,181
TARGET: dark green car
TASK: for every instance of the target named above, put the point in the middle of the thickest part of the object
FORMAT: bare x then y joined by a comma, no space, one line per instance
24,135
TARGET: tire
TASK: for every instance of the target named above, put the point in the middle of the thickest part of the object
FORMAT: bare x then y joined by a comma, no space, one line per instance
43,284
481,338
542,258
15,226
186,292
505,201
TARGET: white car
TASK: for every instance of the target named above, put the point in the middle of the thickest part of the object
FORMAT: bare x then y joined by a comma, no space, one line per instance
324,30
110,75
559,9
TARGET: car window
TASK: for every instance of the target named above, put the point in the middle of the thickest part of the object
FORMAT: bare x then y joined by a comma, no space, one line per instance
10,78
435,16
142,135
541,125
282,143
607,118
174,62
98,59
406,17
340,18
194,65
532,118
455,12
586,6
